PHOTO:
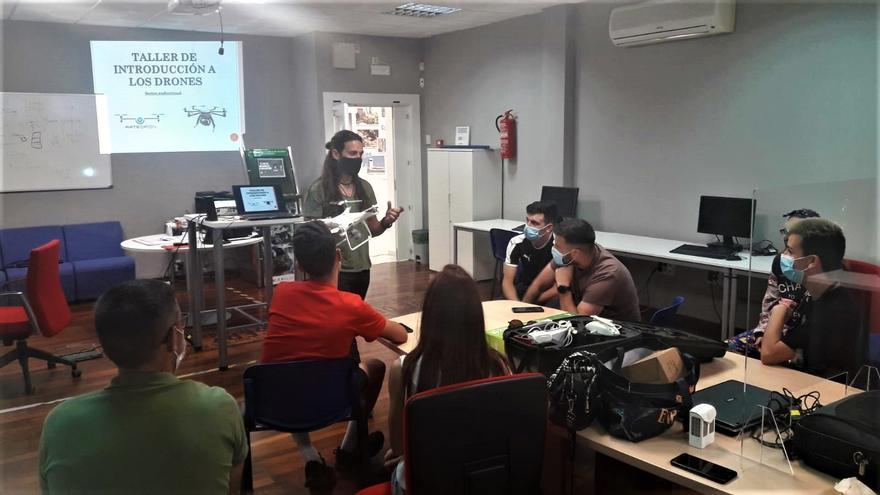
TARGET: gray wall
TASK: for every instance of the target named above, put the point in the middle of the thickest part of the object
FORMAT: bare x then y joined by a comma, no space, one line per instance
147,188
474,75
315,75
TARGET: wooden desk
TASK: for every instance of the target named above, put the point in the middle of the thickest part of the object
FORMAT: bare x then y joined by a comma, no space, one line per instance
497,314
654,455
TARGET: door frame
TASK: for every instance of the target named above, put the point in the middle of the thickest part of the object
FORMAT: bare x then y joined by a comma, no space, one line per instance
408,152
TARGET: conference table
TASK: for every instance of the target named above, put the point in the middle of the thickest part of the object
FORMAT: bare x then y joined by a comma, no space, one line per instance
759,470
653,249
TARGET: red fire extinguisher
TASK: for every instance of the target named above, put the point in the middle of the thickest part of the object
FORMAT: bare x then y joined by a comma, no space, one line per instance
506,125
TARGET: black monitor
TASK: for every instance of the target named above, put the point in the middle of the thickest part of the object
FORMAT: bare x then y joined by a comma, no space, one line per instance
726,217
273,167
566,199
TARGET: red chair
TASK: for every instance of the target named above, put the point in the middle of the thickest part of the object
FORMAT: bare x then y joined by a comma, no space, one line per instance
484,436
42,310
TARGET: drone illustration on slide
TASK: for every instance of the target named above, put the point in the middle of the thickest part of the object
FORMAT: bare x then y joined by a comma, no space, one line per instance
204,115
139,119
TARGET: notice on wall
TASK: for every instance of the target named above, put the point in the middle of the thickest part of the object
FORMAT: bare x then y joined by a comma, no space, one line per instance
164,96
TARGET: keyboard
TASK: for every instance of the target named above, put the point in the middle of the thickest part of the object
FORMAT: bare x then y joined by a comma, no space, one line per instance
702,251
274,216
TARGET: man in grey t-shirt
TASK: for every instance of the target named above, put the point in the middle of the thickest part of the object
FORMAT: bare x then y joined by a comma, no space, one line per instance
588,279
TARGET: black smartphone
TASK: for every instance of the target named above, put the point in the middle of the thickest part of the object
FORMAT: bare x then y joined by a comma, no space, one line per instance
704,468
528,309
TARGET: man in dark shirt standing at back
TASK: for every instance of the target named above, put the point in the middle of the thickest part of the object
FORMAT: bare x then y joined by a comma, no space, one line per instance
529,252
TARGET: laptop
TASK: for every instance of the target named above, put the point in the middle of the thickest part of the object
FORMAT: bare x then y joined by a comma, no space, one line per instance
260,202
736,411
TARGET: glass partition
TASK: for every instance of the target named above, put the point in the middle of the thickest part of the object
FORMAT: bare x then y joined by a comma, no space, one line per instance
813,306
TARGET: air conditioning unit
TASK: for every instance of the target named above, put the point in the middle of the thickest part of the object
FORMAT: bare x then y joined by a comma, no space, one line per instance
656,21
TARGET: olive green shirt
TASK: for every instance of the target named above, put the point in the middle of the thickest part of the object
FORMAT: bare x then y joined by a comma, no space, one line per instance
315,206
146,433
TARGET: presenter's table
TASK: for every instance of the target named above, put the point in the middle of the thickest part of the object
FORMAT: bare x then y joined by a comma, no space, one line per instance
654,249
194,273
496,314
159,250
753,476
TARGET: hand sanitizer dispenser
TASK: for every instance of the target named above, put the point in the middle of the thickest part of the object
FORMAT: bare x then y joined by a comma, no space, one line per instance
702,430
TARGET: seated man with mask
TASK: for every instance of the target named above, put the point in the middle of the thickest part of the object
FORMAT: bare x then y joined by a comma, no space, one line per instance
148,431
588,278
529,252
815,327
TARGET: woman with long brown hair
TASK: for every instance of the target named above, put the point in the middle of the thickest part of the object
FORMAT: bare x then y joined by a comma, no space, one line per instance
339,186
452,349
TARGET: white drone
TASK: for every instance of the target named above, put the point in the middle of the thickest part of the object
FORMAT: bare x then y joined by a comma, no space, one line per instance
351,227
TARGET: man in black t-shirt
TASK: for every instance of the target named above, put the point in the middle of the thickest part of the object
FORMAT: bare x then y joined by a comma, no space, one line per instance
529,252
824,328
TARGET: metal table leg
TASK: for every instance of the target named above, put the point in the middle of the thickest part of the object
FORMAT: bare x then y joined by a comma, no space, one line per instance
267,266
194,286
725,304
220,288
454,245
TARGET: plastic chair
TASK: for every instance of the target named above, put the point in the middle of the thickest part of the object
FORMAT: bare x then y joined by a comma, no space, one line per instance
300,397
484,436
42,310
663,317
499,238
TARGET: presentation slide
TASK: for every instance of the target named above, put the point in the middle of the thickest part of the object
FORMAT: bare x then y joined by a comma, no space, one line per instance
166,96
258,198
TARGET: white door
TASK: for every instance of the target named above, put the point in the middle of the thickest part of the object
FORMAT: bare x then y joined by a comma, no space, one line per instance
389,125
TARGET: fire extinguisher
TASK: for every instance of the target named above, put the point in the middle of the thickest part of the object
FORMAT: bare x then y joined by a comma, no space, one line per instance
506,125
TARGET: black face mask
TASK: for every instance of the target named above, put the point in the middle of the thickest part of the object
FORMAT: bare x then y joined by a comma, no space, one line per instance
349,166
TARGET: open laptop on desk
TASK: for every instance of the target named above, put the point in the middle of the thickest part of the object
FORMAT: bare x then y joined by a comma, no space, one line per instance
260,202
737,410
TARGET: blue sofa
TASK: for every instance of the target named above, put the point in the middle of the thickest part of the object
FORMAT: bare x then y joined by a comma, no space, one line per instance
92,260
98,261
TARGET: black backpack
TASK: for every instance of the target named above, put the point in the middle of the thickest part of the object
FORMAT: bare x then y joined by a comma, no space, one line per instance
573,391
843,438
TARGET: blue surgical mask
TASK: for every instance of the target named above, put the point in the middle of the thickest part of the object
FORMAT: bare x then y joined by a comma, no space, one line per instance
532,233
559,258
786,265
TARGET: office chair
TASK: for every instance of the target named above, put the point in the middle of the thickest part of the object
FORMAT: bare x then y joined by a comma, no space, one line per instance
484,436
300,397
42,310
663,317
499,239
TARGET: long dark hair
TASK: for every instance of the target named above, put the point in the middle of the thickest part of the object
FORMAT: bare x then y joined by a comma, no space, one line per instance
330,173
452,344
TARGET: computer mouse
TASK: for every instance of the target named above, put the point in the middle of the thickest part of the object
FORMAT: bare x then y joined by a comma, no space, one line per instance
733,257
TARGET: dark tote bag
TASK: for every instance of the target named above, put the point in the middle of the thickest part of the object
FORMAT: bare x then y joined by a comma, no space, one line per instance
637,411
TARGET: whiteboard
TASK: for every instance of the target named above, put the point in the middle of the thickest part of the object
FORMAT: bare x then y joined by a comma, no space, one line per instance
50,141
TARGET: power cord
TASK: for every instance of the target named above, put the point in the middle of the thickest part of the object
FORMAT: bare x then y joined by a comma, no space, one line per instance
714,305
647,287
790,409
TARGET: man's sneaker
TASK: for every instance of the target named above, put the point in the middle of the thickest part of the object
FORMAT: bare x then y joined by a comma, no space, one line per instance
319,475
349,461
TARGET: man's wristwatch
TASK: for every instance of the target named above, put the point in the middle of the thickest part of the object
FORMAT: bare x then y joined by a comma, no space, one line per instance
384,225
563,289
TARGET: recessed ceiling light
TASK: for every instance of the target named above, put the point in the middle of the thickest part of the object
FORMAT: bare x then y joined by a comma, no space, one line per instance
422,10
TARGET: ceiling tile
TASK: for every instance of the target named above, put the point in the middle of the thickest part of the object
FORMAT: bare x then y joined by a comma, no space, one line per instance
64,11
126,14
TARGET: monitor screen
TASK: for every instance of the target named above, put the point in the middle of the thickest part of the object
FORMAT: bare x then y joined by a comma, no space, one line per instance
256,199
225,207
725,216
271,168
566,199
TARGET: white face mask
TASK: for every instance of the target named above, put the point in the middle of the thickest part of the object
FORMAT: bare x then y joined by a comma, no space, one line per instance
179,356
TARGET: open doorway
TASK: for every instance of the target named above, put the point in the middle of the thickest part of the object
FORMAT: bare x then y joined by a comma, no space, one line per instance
389,125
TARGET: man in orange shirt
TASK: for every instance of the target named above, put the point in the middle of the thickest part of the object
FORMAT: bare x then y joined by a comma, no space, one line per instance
313,319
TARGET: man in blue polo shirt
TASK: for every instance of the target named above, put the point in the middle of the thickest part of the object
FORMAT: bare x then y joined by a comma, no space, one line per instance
148,432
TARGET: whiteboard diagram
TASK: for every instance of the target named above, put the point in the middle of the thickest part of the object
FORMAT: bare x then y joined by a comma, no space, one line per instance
50,142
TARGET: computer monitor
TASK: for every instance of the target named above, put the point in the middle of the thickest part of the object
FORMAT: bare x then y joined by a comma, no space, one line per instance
726,217
566,199
258,199
271,167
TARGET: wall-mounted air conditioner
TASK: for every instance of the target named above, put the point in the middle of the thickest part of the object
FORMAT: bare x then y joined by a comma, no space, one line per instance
657,21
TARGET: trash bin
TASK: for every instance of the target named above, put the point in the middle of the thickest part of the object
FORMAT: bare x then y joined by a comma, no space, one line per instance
420,246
